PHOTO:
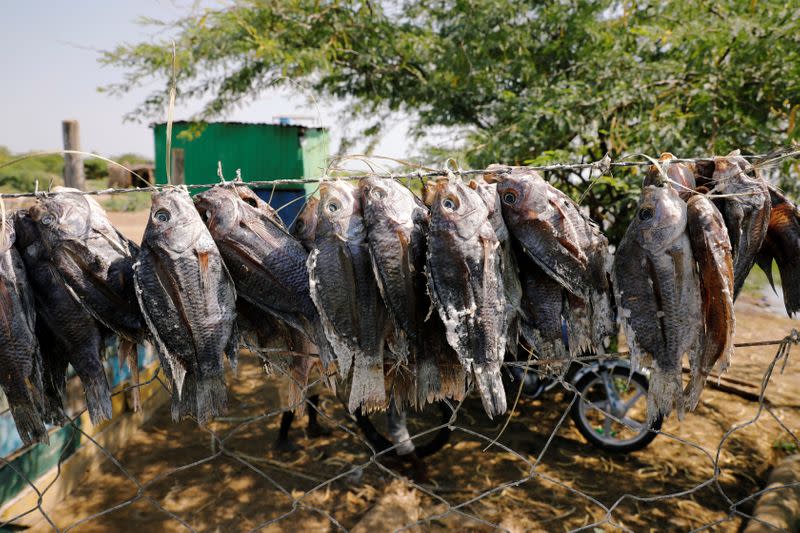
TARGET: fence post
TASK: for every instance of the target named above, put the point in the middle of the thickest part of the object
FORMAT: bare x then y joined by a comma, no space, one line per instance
73,163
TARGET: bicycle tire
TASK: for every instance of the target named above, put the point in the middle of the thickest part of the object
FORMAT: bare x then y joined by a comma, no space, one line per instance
589,433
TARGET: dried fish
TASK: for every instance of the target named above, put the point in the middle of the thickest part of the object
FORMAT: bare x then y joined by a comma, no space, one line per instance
745,207
346,294
658,293
782,245
567,246
268,265
466,286
20,358
508,265
712,252
189,302
94,260
68,333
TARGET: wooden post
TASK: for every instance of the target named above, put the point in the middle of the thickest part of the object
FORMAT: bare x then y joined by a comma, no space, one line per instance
178,177
73,163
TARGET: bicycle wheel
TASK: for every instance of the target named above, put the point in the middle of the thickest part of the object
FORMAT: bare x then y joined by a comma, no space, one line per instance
614,391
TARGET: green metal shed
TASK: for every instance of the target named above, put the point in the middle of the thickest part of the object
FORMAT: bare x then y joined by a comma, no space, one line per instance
260,151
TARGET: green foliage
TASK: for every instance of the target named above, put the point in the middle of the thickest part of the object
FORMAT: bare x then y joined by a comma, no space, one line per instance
22,176
95,169
522,81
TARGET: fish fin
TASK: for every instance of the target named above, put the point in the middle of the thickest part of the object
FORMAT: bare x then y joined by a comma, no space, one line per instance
211,398
367,389
764,261
665,392
232,348
98,397
175,371
29,424
490,386
428,380
129,353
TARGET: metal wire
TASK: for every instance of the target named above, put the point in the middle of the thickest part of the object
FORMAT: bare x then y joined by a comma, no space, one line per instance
603,166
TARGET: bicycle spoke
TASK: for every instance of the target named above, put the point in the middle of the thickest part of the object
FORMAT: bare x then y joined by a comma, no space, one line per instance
629,403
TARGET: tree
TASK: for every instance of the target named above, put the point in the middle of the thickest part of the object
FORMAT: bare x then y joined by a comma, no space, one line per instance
524,82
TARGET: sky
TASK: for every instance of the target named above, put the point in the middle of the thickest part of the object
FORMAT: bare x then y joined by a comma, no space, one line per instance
48,56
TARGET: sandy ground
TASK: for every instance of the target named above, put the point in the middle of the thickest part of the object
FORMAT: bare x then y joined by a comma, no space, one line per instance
130,224
250,484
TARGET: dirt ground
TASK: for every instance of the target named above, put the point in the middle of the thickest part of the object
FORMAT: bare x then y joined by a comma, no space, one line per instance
250,484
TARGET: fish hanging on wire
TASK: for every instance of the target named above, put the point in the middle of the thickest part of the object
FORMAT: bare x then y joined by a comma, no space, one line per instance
743,199
658,292
20,356
95,263
397,224
345,291
551,230
68,333
189,302
267,263
711,249
465,282
782,245
511,276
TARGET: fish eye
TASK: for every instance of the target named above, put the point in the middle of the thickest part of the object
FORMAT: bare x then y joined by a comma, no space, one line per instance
162,215
300,225
509,197
646,213
450,203
251,202
48,219
378,194
332,207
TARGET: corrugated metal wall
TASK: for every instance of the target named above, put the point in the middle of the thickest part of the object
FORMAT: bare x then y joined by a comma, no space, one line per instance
261,151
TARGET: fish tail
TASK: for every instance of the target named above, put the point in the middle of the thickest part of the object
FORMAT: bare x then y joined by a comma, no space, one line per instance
129,353
429,381
232,348
98,397
490,386
367,388
665,392
29,424
211,398
399,345
790,282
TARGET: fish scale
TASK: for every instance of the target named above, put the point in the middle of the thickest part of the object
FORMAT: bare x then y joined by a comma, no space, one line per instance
266,262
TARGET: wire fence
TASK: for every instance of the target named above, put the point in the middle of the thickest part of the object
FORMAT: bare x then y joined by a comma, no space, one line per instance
300,500
304,492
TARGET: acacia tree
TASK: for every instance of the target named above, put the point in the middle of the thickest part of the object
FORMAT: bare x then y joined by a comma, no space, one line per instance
522,81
